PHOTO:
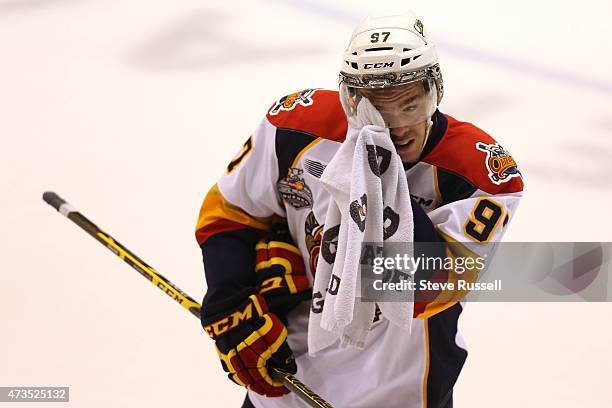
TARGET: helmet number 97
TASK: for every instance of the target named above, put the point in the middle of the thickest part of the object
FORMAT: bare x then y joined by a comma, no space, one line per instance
376,37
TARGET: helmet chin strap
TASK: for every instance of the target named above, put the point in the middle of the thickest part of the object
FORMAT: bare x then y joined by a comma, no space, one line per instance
427,133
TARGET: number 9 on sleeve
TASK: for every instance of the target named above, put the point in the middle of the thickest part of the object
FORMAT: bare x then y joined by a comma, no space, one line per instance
485,218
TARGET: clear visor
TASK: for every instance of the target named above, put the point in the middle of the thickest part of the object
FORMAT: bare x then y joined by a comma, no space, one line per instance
399,106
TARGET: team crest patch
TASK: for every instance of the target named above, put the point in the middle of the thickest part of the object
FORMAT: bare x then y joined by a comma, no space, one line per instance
294,191
499,163
289,102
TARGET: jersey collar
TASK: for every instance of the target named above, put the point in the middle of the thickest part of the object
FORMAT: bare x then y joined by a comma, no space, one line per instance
438,129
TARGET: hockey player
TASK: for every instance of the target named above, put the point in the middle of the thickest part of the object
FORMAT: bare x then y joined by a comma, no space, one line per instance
464,187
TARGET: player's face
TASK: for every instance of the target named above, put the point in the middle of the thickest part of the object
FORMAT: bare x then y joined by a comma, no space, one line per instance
409,141
406,109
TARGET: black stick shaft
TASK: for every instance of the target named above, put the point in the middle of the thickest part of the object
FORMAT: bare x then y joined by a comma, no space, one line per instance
165,285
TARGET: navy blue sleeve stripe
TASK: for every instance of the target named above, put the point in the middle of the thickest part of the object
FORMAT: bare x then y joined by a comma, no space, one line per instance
229,263
446,358
453,187
289,143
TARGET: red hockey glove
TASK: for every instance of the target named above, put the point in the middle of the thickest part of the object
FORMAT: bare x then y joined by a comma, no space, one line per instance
280,272
250,342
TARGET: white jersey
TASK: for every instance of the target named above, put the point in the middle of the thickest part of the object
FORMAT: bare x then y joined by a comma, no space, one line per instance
466,183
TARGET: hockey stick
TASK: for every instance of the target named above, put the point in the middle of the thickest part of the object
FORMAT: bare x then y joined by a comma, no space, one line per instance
168,287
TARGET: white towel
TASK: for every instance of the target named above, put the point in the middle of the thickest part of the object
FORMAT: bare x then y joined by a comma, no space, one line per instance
370,202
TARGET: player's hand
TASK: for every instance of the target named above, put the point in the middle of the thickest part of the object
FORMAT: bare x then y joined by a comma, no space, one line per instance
250,342
367,114
280,272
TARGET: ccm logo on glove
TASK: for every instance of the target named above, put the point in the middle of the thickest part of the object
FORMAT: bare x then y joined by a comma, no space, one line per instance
234,318
250,342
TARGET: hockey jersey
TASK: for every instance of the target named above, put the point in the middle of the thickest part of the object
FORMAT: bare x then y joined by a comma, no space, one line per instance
465,188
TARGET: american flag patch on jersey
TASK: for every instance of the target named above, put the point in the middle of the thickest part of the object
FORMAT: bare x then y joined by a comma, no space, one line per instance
314,168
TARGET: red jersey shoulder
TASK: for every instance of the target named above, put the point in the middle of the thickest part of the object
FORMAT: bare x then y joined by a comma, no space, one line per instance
473,154
317,112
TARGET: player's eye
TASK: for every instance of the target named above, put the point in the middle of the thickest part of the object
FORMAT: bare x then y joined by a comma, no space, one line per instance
410,108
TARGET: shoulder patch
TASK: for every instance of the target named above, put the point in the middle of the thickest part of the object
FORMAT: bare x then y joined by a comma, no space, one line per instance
472,154
287,103
499,163
294,190
317,112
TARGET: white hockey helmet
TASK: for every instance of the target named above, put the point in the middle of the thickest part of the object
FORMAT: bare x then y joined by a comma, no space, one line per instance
391,61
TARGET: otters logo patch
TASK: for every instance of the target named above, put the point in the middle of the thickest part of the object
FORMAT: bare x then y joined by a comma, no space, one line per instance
289,102
294,191
500,164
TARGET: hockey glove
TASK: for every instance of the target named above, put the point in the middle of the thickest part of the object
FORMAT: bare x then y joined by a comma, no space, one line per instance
280,272
250,342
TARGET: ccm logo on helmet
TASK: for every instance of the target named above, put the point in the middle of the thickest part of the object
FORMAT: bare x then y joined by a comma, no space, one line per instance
378,65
